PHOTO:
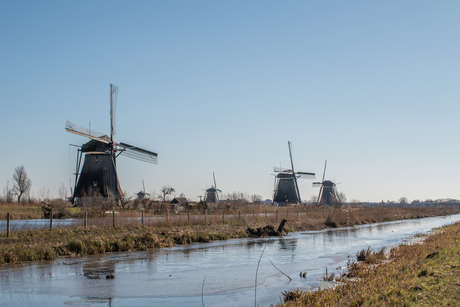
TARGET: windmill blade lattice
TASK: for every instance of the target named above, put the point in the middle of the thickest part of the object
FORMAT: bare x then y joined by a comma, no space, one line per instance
137,153
113,109
281,170
305,175
319,194
83,131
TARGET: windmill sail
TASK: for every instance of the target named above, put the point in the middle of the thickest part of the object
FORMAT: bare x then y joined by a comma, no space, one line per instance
137,153
286,186
98,175
280,169
327,191
212,194
88,133
113,109
304,175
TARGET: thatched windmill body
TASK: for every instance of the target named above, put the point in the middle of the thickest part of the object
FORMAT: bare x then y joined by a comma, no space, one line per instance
212,194
286,186
98,175
327,192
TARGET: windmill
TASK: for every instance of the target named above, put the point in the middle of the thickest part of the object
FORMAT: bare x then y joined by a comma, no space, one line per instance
142,194
327,191
286,187
212,194
98,176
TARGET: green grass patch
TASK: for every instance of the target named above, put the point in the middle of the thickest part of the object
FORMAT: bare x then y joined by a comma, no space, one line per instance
74,210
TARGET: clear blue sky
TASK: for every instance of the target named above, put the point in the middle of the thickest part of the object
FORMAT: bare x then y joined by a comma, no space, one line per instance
221,86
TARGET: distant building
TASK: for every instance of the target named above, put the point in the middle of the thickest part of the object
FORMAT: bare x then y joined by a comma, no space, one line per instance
212,196
142,195
179,201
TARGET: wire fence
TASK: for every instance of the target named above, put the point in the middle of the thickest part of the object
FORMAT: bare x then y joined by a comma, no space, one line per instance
155,218
149,218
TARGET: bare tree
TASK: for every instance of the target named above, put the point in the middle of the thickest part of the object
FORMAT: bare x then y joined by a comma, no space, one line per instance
166,190
125,200
44,194
63,192
403,201
256,198
7,193
313,199
341,198
21,182
237,196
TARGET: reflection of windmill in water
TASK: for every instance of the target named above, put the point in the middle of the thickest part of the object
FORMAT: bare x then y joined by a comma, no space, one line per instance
98,176
212,194
327,192
286,187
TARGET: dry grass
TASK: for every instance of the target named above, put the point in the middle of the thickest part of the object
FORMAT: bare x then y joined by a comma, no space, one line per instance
183,228
30,245
32,210
352,215
424,274
21,211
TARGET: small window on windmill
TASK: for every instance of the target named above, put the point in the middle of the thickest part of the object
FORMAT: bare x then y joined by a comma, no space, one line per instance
94,183
95,159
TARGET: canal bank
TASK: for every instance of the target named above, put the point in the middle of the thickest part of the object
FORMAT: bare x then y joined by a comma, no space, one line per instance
34,244
422,273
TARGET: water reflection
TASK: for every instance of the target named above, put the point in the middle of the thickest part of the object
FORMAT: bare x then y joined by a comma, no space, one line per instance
98,270
288,244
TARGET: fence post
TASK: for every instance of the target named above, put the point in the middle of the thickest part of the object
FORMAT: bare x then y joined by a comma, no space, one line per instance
113,218
298,212
253,213
7,224
85,221
239,214
206,216
287,212
188,215
51,219
266,213
167,216
223,216
142,217
277,214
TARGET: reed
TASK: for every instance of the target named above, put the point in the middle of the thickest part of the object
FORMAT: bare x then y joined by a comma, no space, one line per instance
419,274
100,236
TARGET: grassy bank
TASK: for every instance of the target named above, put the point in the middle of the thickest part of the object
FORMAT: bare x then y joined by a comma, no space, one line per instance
21,211
422,274
32,245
